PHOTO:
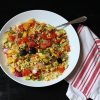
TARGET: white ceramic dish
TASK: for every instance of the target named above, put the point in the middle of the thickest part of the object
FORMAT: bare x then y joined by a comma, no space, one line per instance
49,18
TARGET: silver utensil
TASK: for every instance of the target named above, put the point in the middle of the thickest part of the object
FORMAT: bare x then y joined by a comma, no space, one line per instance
77,20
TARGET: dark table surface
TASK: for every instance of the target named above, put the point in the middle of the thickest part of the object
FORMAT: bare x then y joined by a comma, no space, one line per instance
10,90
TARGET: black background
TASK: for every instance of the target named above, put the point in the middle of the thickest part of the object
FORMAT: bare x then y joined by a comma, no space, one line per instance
10,90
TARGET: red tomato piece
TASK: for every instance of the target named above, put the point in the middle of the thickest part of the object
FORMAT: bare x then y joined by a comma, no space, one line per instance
26,72
48,43
32,37
11,38
57,40
44,36
18,74
67,48
43,45
20,41
25,39
52,35
31,44
60,69
21,28
32,23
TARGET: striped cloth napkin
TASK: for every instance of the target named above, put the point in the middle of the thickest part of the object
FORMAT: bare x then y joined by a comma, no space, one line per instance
84,81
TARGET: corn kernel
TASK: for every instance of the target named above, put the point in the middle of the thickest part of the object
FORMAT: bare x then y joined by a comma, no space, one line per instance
25,34
26,77
30,21
10,60
12,70
26,26
11,51
63,40
41,55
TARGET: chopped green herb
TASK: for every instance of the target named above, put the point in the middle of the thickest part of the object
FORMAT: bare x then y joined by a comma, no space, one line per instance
43,52
20,35
28,60
17,55
41,77
11,30
26,77
58,45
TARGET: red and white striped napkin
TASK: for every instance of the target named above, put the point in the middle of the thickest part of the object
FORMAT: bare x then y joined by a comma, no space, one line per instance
86,80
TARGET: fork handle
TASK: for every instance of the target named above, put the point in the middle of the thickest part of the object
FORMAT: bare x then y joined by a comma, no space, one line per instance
78,20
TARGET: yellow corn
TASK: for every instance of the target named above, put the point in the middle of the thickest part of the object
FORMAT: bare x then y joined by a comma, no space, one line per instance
30,21
25,26
63,40
4,40
15,47
41,55
31,32
25,34
6,34
26,77
11,51
12,69
10,60
51,50
53,54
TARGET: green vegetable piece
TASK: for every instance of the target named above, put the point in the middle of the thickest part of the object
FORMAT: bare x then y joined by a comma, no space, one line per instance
58,45
11,30
43,52
20,35
41,77
18,55
26,77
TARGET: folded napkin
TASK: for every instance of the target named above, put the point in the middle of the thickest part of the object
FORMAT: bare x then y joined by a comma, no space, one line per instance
84,81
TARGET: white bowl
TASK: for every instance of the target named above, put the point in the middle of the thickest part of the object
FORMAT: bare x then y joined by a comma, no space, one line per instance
49,18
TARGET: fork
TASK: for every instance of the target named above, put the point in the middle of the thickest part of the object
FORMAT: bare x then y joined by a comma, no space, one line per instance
77,20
